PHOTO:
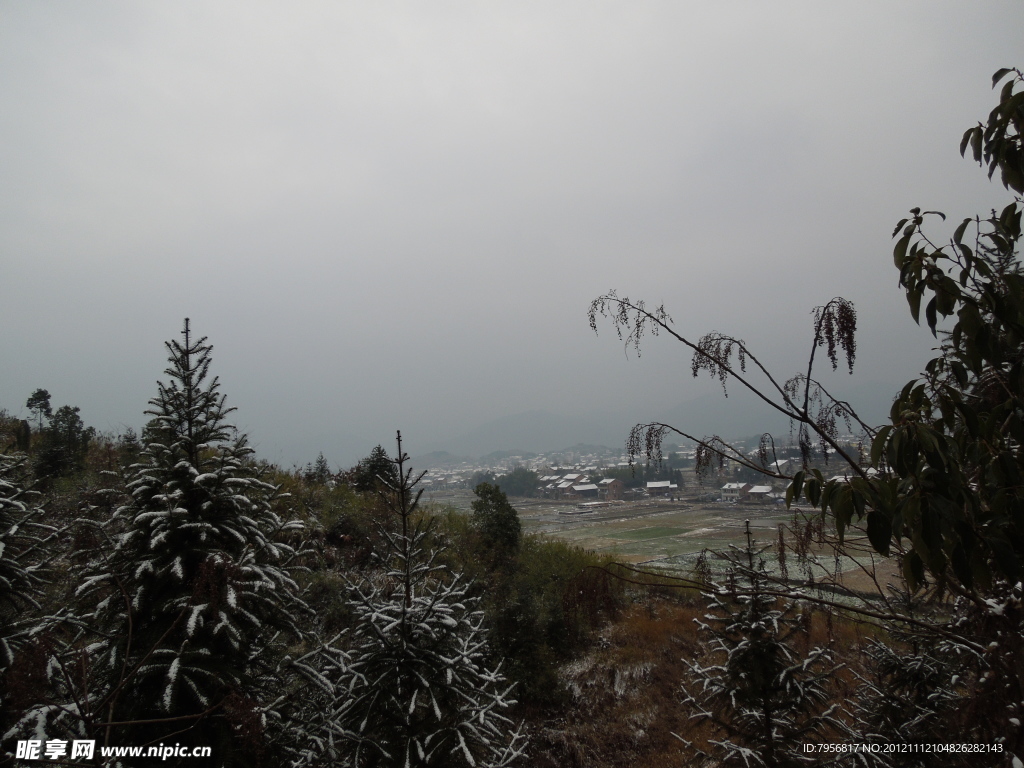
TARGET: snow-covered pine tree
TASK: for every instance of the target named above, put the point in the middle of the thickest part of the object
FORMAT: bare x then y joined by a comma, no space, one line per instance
418,691
958,682
762,697
910,696
195,585
21,556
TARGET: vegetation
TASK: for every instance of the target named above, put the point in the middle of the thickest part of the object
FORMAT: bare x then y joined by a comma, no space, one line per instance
939,486
39,404
418,690
954,444
182,591
519,482
174,602
20,578
637,476
949,462
173,588
497,521
764,697
372,471
64,443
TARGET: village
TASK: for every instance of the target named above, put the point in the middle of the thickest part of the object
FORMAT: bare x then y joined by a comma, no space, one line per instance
604,504
594,474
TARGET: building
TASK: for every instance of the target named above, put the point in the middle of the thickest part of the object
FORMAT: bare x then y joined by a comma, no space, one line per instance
783,467
735,491
661,487
611,488
759,493
563,489
585,491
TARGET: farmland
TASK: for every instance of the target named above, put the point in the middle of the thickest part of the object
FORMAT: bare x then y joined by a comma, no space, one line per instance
646,530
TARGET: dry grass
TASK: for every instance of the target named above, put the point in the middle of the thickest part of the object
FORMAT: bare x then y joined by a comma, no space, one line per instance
625,694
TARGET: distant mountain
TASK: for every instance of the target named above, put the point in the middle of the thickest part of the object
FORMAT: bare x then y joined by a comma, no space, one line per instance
592,448
737,417
499,455
538,432
742,415
439,460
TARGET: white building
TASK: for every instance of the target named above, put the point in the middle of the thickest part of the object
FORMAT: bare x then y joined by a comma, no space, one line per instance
735,491
759,492
660,487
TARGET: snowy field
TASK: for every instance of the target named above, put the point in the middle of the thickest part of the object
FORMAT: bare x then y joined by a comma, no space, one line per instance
643,531
670,535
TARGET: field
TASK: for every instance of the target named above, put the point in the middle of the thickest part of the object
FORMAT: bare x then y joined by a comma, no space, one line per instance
647,530
671,535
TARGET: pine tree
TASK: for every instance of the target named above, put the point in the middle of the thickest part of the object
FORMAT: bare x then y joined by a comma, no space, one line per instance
319,472
418,691
39,403
960,684
190,587
912,697
373,470
497,521
762,697
20,572
65,444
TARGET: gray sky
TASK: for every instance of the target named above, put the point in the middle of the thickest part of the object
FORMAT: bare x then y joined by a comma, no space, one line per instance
394,215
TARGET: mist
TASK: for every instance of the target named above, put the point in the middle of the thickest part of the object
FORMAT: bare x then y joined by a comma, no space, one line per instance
395,215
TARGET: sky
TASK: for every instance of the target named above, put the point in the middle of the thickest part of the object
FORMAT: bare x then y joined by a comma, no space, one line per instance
394,215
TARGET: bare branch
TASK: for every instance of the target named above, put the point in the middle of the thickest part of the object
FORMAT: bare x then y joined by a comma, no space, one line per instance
646,440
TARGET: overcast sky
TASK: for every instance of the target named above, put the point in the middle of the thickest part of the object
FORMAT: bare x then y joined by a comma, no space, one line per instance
394,215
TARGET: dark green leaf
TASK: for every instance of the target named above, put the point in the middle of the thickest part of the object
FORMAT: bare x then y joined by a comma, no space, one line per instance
813,491
961,565
913,570
795,488
879,531
899,252
842,506
963,145
959,373
930,316
945,303
878,444
1007,91
1006,559
1000,74
858,504
959,233
976,143
914,300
